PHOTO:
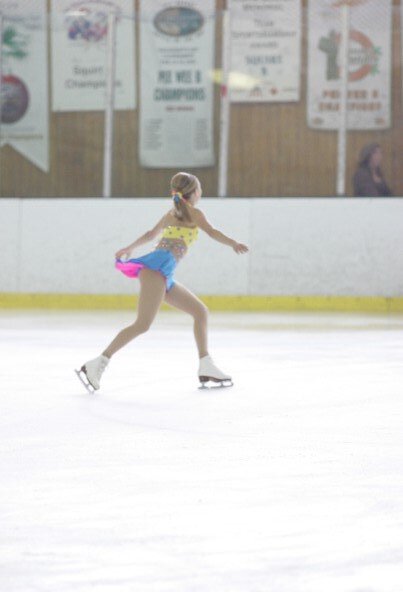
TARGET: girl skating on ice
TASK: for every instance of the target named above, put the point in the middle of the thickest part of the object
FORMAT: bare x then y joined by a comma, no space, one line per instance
178,229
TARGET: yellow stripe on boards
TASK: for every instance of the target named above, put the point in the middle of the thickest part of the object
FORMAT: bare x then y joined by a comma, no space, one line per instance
215,303
304,303
69,301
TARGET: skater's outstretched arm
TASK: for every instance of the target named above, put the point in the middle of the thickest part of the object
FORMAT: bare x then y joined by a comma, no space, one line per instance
145,238
202,222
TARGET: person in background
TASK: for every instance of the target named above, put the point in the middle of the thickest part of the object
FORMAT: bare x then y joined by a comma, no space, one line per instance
368,179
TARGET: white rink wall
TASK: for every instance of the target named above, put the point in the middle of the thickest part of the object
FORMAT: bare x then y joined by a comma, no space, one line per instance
298,247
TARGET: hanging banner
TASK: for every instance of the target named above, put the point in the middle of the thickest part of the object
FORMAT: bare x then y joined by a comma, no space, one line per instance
177,61
370,42
265,50
24,81
79,36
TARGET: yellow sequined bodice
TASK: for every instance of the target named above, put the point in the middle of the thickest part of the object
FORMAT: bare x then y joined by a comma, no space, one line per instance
188,235
177,239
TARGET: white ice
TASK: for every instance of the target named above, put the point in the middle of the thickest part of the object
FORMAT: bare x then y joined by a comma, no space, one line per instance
291,481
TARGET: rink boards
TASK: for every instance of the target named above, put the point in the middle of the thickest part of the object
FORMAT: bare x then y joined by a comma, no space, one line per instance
305,254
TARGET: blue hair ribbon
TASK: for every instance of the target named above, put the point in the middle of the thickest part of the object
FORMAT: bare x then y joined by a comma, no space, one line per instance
177,196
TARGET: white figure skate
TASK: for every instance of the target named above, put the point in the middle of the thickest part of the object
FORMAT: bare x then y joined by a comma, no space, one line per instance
91,372
208,371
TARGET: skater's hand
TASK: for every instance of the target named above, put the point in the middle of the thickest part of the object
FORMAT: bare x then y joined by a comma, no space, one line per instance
125,252
240,248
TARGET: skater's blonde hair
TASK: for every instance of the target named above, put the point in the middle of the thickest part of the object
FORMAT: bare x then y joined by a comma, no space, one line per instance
182,187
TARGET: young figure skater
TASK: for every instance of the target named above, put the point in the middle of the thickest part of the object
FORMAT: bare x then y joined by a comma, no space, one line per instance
179,228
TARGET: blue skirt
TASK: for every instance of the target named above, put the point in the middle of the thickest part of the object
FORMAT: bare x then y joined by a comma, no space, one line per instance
159,260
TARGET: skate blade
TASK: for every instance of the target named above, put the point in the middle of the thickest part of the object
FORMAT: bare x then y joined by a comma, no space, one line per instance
218,384
88,386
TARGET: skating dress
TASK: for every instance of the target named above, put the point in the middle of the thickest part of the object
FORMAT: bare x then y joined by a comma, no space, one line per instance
171,248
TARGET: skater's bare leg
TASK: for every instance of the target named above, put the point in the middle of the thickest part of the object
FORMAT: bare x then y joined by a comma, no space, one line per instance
181,298
152,292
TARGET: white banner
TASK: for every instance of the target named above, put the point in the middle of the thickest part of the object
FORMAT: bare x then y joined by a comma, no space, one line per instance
265,50
79,34
24,83
177,61
369,88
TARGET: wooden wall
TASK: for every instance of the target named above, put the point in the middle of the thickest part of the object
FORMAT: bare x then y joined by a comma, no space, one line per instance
273,153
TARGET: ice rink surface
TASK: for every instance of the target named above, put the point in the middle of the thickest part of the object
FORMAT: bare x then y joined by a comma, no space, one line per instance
291,481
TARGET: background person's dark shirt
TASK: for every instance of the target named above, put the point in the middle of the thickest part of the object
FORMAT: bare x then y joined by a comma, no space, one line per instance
365,186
